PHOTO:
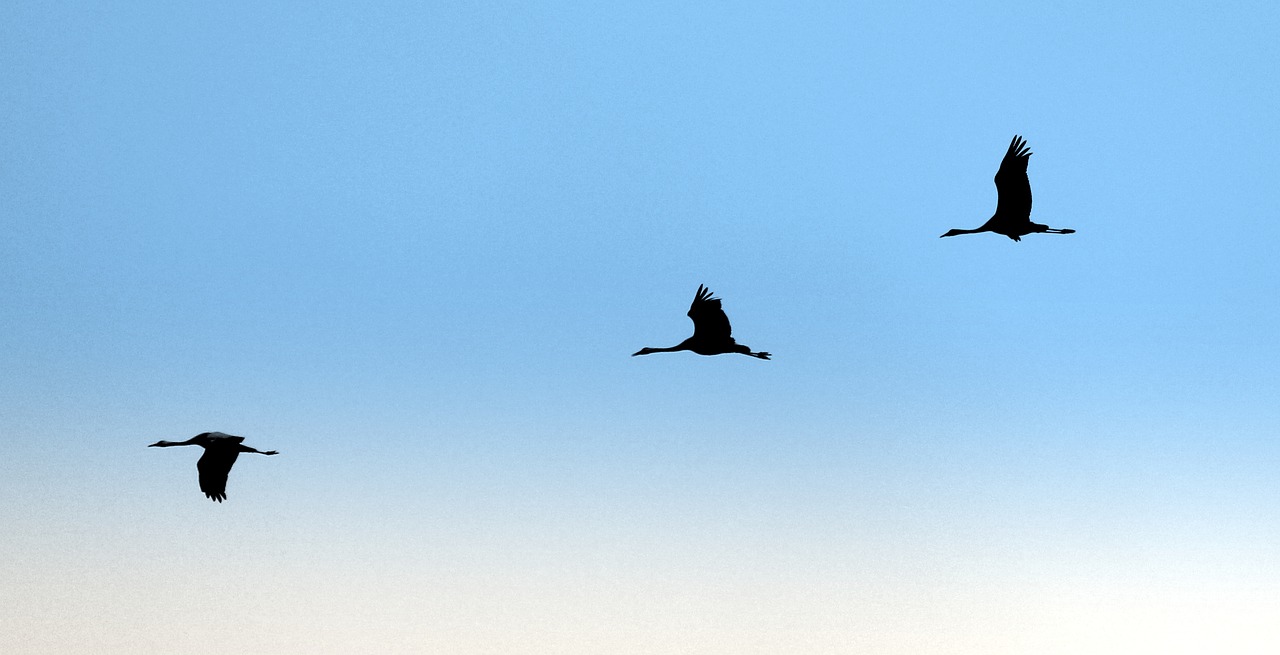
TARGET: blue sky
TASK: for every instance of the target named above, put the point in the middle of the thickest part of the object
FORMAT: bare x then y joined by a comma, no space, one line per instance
411,247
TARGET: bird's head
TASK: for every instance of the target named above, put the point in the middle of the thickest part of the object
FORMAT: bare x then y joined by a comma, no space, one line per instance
951,233
643,351
160,444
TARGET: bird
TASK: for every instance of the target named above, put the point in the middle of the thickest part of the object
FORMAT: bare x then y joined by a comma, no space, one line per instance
710,330
1013,208
220,453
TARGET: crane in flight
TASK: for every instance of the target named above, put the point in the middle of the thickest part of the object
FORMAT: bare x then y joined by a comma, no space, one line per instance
1013,207
220,453
711,331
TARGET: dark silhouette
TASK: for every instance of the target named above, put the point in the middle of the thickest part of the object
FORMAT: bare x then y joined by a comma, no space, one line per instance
220,452
1013,209
710,330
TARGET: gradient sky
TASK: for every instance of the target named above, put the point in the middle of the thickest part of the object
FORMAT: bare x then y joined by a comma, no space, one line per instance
412,245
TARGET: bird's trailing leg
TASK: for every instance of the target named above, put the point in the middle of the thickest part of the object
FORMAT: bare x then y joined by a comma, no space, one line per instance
1055,230
739,348
249,449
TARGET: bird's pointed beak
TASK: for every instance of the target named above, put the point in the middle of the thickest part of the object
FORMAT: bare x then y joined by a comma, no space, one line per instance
154,444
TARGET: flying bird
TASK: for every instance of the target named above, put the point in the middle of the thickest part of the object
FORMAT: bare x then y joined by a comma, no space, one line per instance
710,330
1013,209
220,452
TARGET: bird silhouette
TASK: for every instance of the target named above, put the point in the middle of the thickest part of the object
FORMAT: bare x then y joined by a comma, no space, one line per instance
711,330
220,453
1013,209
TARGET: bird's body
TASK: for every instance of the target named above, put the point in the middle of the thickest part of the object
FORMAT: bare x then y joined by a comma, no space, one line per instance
1013,208
711,331
220,453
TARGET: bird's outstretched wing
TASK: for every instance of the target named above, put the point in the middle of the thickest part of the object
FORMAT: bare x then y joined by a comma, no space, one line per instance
214,465
1012,185
709,320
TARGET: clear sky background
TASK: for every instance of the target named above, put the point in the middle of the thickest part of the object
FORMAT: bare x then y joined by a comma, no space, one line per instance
412,245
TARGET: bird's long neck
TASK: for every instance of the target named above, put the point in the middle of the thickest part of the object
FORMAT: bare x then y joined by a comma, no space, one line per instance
166,444
959,231
684,345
